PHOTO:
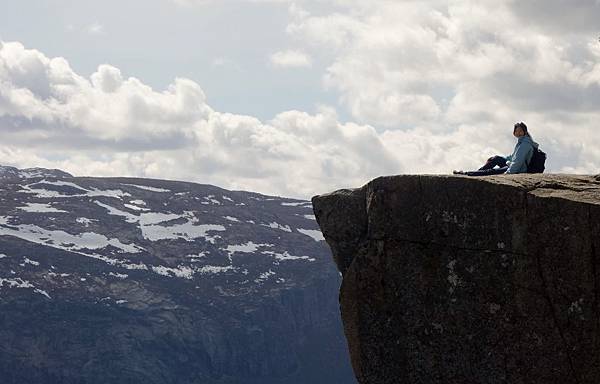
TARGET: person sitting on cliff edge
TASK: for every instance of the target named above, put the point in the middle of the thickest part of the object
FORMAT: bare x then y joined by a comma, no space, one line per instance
515,163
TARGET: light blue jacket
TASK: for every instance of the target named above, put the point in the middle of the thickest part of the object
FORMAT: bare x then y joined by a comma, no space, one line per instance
522,154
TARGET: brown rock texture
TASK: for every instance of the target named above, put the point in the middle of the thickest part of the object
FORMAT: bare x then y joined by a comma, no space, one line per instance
454,279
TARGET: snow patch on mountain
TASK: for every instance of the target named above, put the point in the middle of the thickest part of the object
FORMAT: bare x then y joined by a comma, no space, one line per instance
187,231
147,188
118,275
286,256
276,225
135,207
295,204
92,192
85,221
130,218
21,284
197,257
42,292
40,208
315,234
211,199
180,271
54,274
62,239
188,273
15,283
208,269
248,247
148,223
134,266
117,193
60,183
29,261
264,276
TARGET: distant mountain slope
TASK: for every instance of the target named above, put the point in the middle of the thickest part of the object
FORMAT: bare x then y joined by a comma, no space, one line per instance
131,280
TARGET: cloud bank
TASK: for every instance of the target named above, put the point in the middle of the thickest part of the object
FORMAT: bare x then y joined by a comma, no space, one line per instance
434,63
431,86
108,125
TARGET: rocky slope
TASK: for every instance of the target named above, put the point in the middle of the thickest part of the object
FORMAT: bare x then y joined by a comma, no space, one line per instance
451,279
123,280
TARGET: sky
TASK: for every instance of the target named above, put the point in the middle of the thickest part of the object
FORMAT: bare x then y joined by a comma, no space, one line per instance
295,97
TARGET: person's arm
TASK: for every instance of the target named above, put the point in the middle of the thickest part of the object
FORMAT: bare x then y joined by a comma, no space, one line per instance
518,164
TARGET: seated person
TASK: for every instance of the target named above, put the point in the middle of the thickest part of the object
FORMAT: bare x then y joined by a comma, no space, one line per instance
515,163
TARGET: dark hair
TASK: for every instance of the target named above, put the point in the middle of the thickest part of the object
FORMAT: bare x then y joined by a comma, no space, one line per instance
520,125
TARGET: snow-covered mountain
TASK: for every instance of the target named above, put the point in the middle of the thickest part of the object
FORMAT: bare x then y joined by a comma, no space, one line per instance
136,280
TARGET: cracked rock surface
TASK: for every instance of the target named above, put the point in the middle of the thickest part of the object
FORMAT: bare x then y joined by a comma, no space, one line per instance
453,279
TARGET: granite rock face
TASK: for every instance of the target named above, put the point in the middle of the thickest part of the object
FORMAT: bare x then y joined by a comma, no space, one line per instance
125,280
452,279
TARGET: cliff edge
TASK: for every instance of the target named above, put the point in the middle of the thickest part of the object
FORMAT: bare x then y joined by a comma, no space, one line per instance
452,279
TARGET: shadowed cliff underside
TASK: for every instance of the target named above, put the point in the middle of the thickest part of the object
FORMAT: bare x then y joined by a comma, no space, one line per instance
451,279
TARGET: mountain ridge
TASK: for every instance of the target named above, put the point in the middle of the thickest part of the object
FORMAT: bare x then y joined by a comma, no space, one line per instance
197,283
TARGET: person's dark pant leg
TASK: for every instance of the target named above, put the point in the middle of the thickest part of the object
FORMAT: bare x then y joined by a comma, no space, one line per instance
488,172
493,162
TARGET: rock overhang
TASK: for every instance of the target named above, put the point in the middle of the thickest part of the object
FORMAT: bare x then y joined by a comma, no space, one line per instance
454,276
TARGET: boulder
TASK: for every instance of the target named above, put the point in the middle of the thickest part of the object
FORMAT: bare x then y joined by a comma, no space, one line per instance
455,279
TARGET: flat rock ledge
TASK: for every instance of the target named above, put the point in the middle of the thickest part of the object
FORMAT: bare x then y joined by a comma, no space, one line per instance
454,279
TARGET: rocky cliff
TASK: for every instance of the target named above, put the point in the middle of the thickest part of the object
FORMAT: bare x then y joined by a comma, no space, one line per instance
451,279
124,280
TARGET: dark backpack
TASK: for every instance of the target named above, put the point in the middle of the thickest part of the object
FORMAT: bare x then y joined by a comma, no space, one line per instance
537,162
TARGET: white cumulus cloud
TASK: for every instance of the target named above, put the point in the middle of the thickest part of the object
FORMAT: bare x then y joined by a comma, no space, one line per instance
290,59
438,67
113,125
431,86
398,64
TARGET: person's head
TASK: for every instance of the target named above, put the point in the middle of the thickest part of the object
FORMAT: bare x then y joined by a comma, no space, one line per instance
520,129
